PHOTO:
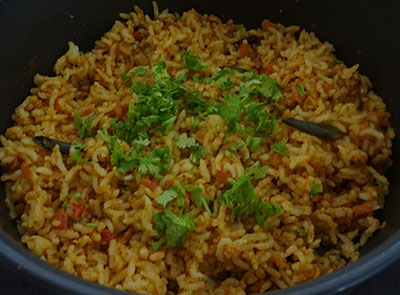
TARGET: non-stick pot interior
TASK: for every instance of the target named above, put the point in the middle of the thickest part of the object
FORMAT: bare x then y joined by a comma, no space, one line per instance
35,33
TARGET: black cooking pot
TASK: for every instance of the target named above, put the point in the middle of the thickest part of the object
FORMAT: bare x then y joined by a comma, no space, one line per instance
35,33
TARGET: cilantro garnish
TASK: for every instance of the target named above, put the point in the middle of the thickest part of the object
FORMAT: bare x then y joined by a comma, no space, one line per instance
197,194
315,190
169,195
185,142
252,142
281,148
127,78
141,72
195,104
195,122
302,232
172,229
156,107
197,151
83,128
257,172
234,148
224,83
241,106
300,89
153,164
76,196
242,199
192,62
261,84
76,156
215,206
91,224
104,135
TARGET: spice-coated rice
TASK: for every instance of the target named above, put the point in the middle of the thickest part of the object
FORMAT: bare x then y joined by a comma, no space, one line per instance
109,243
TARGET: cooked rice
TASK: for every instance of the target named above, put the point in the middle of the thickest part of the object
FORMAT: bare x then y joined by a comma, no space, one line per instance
219,257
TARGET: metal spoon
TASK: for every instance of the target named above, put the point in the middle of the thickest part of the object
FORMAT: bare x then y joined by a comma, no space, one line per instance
317,130
48,144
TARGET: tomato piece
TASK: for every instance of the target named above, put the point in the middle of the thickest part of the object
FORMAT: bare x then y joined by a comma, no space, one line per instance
56,105
26,170
151,185
138,36
78,209
362,211
296,97
294,69
326,87
245,50
268,69
63,218
106,237
222,177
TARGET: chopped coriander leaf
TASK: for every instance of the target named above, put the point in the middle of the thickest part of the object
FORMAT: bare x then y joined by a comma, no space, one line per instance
197,193
104,134
195,104
90,224
261,120
224,83
281,148
257,172
180,202
231,113
315,190
194,171
173,228
302,232
250,75
195,122
182,75
127,78
76,156
261,84
123,162
196,150
76,196
236,147
241,199
300,89
160,71
253,142
153,164
83,127
216,129
141,142
65,204
140,88
169,195
197,153
222,73
198,80
215,206
141,72
186,142
156,106
90,179
155,246
192,62
124,191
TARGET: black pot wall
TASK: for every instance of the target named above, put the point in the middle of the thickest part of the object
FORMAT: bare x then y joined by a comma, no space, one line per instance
34,33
